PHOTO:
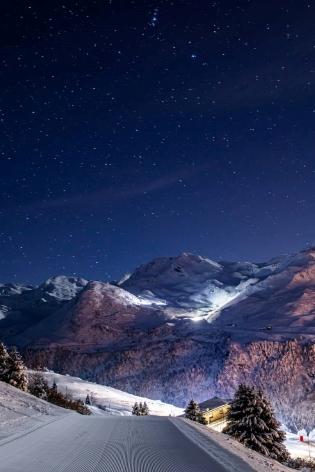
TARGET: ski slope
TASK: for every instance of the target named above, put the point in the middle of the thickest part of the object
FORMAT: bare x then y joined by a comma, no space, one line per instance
114,444
36,436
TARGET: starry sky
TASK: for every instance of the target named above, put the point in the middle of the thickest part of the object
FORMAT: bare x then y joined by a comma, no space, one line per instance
137,129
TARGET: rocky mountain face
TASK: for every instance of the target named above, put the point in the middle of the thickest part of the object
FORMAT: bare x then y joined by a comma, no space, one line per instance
176,328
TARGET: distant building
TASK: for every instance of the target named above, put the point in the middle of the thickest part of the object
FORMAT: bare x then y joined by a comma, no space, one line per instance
215,412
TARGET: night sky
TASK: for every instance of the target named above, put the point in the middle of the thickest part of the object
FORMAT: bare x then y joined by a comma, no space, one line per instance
136,129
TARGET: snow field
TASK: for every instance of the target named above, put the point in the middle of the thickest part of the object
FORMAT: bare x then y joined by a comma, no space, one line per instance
109,400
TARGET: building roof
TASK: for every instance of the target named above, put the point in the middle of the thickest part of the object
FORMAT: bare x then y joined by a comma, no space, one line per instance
212,403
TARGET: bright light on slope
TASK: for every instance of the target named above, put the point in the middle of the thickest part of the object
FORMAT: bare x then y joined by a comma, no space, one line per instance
151,301
222,298
197,318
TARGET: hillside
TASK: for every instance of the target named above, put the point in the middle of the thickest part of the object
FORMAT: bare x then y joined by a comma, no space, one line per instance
20,412
109,401
176,328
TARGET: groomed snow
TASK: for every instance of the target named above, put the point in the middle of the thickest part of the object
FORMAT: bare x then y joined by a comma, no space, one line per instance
32,430
117,444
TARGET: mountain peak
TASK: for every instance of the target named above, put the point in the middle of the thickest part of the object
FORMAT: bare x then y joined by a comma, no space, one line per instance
62,287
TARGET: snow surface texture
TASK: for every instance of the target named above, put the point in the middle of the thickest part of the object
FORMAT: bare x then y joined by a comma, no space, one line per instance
119,444
108,400
20,412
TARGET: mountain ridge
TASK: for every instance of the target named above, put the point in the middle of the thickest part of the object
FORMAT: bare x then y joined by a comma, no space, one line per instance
176,328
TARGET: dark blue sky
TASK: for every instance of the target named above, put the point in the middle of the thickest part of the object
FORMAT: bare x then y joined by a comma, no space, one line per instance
131,130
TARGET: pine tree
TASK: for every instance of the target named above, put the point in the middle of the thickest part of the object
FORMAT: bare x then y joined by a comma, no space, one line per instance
201,419
4,361
135,409
251,420
145,409
140,409
192,411
17,372
38,385
88,400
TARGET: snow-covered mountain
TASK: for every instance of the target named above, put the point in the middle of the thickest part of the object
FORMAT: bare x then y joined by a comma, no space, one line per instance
176,328
191,284
25,305
245,299
101,316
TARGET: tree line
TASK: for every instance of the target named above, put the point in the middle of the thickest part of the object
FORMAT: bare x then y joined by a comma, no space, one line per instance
39,388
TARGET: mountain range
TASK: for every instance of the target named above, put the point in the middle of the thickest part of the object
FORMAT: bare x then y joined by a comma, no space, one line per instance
176,328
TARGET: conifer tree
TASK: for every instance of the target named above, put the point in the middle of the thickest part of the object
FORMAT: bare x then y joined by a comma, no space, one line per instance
145,409
192,411
140,409
135,409
4,361
201,419
251,420
38,385
88,400
17,372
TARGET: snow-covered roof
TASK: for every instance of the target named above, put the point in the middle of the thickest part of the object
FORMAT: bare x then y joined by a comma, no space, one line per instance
213,403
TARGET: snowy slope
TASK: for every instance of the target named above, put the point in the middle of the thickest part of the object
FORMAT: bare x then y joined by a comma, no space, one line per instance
195,286
111,400
20,411
282,306
121,444
272,300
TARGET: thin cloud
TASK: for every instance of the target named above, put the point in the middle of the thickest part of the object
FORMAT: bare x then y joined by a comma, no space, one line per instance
107,195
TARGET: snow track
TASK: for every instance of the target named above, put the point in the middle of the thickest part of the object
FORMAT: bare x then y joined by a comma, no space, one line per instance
110,444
